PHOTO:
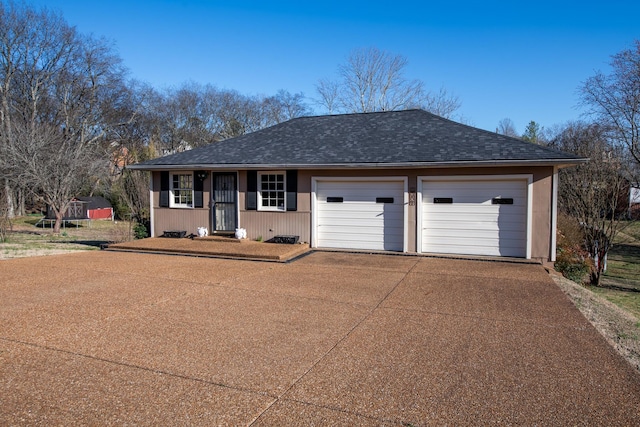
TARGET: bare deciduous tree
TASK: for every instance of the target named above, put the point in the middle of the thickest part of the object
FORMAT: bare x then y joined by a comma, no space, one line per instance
5,221
441,103
236,114
50,166
194,115
56,83
373,80
130,193
127,141
506,127
283,106
591,192
329,91
614,98
181,119
34,45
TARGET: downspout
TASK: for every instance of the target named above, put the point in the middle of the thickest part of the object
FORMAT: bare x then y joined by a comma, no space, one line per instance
554,214
151,213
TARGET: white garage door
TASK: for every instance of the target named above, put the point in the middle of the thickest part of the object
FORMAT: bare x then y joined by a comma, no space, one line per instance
353,214
475,217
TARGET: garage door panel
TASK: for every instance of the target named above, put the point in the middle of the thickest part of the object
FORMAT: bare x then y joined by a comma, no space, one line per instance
475,201
486,233
347,224
463,214
341,223
370,242
364,230
360,198
464,220
339,214
471,190
372,208
360,215
484,201
459,222
340,242
481,250
360,237
472,224
357,217
446,242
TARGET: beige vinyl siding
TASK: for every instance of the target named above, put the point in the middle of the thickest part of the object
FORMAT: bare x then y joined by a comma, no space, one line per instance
180,219
269,224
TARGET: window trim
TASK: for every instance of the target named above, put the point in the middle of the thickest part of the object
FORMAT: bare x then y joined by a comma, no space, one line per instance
282,208
172,202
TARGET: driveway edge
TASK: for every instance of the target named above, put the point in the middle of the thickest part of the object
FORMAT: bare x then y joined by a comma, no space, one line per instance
619,328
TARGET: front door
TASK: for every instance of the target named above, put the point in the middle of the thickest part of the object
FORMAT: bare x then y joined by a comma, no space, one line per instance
223,202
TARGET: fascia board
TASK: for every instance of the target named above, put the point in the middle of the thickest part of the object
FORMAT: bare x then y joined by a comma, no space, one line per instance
406,165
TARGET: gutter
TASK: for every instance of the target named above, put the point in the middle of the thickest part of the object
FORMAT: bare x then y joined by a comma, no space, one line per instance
561,163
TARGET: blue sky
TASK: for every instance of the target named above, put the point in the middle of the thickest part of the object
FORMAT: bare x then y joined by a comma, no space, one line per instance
503,59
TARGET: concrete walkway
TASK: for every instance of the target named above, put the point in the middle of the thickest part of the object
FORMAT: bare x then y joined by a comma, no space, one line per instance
109,338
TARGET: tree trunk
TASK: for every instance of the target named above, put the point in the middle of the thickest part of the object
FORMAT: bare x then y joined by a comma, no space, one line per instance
58,223
594,277
9,196
21,205
599,267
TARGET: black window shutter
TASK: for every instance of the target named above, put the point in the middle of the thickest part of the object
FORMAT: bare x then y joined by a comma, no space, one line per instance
164,189
292,190
252,190
198,187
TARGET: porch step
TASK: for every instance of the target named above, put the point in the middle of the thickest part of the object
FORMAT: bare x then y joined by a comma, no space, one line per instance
220,238
224,234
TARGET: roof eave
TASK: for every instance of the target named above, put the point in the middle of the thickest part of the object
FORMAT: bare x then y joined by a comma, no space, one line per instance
404,165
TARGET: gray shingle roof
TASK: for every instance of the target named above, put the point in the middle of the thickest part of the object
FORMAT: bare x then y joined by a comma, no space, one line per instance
394,138
95,202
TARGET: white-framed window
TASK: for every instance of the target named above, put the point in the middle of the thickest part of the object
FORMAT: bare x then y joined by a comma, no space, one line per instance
181,190
272,191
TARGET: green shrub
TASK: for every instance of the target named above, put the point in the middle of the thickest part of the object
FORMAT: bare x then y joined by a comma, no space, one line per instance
572,260
573,268
140,231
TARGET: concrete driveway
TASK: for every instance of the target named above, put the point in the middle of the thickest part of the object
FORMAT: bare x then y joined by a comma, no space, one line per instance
330,339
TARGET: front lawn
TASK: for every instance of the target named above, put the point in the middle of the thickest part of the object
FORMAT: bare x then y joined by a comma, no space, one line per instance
621,283
26,239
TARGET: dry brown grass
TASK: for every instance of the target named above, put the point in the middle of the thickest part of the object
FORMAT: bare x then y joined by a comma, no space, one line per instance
619,327
24,239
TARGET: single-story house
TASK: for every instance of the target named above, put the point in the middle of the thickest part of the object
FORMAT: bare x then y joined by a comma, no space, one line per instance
406,181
